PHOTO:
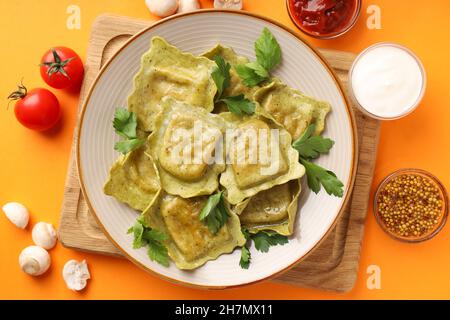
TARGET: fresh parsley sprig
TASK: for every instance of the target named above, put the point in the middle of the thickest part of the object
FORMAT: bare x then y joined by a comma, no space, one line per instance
214,214
317,176
221,76
153,239
263,240
248,75
268,56
239,105
268,51
246,256
125,123
309,147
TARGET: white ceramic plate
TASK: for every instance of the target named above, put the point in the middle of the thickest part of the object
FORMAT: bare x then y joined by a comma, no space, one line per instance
301,68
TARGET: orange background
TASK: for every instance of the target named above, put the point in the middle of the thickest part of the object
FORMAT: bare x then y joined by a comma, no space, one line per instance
33,165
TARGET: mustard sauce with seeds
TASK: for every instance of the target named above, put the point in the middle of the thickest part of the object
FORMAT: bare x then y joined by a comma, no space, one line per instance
411,205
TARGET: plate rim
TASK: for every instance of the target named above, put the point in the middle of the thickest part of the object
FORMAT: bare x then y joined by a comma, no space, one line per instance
321,59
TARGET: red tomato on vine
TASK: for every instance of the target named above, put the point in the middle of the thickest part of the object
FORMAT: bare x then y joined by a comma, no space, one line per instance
62,68
37,109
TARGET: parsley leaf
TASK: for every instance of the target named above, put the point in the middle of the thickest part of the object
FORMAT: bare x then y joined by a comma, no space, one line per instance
129,145
214,213
158,252
268,51
125,123
239,104
244,262
248,75
268,55
259,69
153,239
246,256
309,146
318,176
265,239
138,230
153,234
245,233
221,75
210,205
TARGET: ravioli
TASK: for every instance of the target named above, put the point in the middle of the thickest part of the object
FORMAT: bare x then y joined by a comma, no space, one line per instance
258,158
166,71
134,180
292,109
236,86
188,150
273,209
190,242
227,53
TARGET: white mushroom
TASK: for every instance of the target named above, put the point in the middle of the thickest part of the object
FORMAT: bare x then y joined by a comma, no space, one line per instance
76,274
44,235
228,4
34,260
162,8
188,5
17,214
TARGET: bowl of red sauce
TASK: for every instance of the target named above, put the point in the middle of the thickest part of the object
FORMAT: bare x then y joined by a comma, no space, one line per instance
324,19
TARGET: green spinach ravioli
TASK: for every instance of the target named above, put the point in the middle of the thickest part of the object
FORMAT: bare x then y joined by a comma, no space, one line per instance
247,172
134,180
291,108
166,71
186,172
191,243
274,209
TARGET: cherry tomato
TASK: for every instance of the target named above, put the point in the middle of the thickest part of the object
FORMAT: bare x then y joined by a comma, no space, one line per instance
37,109
62,68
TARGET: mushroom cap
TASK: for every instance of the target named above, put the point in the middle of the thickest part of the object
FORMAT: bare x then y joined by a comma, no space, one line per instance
228,4
44,235
162,8
34,260
188,5
17,213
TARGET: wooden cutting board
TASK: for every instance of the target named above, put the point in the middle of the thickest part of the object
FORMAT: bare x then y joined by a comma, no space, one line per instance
332,266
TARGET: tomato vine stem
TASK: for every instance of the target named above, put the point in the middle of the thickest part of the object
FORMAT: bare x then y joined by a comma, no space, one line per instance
57,65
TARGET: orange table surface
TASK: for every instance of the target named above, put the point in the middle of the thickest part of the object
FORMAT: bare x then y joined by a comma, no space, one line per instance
33,165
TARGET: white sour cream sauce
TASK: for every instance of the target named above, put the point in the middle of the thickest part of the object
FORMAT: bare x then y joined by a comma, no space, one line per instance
387,81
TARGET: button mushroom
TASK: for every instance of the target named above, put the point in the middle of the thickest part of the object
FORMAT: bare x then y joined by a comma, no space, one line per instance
17,214
162,8
76,274
228,4
44,235
34,260
188,5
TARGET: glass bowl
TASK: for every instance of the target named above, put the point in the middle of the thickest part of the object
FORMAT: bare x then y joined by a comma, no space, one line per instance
332,35
443,195
410,109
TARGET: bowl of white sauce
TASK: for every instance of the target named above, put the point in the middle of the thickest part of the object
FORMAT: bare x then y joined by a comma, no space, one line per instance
387,81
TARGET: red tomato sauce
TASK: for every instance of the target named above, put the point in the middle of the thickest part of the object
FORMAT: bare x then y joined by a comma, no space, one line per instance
323,17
